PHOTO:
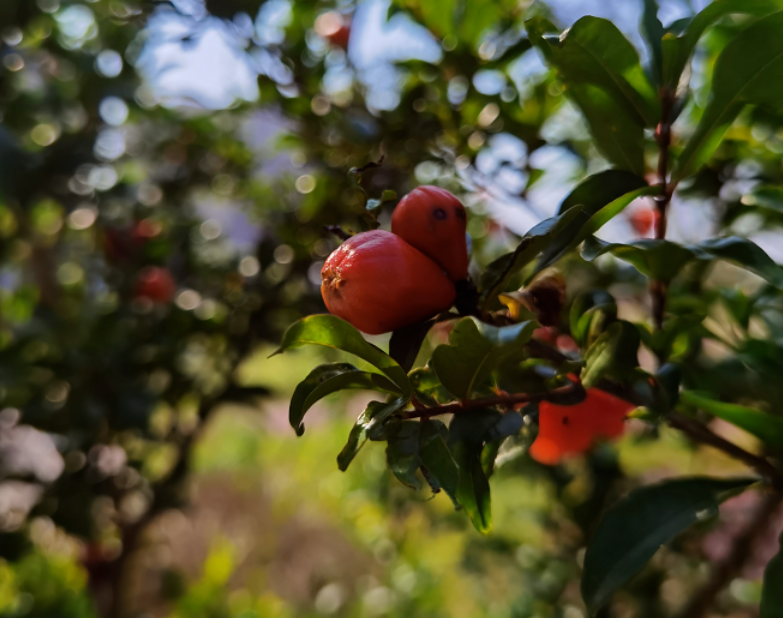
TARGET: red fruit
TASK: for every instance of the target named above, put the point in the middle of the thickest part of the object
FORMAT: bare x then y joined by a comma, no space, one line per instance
570,430
643,220
379,283
155,284
433,221
340,37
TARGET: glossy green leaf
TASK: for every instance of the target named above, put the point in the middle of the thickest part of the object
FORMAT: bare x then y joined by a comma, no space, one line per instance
766,427
601,73
402,453
497,275
742,252
613,354
474,350
466,442
772,590
653,32
677,50
327,379
591,195
632,530
436,457
331,331
658,259
438,15
478,16
376,413
748,71
663,260
427,387
591,314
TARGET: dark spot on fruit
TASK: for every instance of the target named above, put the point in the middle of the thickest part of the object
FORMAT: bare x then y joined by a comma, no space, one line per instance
439,214
565,420
460,213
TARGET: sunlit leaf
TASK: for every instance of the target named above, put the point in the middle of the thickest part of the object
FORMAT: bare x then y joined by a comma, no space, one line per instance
633,529
748,71
766,427
677,50
332,332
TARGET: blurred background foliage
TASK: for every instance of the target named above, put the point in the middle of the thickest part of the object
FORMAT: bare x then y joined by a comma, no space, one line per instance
166,173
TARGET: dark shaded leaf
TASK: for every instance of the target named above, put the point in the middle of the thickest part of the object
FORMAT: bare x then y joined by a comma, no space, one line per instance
614,354
497,275
657,259
427,387
633,529
327,379
402,453
436,457
653,32
376,413
765,196
772,591
591,313
591,195
743,252
475,349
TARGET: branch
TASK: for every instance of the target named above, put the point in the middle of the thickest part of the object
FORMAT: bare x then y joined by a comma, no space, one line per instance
489,402
741,550
702,434
663,136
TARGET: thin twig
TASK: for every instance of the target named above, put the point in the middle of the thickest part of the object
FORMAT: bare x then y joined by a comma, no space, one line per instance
702,434
725,571
489,402
337,231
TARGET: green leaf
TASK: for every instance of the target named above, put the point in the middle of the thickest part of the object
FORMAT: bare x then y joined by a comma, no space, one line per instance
591,195
332,332
438,15
601,73
765,196
427,387
766,427
657,259
436,457
374,415
466,443
497,275
677,50
614,354
405,342
632,530
474,350
653,32
327,379
748,71
772,591
663,260
744,253
402,453
591,314
477,17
